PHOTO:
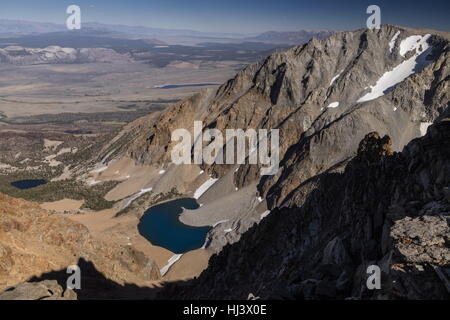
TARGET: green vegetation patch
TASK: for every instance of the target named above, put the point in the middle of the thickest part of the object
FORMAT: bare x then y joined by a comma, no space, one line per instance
57,190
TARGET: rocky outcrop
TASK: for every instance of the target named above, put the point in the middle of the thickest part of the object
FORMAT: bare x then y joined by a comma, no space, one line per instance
45,290
372,147
385,209
34,242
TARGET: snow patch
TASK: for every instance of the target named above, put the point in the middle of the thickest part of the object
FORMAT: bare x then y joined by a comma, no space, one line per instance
393,41
94,182
99,170
205,243
219,222
137,195
204,187
400,72
170,263
335,78
411,43
333,105
265,214
162,171
424,127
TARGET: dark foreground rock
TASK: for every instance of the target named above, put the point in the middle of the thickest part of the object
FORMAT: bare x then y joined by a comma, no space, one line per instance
384,209
45,290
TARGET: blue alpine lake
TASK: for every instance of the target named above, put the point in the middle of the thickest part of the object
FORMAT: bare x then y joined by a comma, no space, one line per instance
27,184
161,226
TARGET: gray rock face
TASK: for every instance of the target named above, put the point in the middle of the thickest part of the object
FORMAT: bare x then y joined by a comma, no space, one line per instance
390,211
316,95
430,235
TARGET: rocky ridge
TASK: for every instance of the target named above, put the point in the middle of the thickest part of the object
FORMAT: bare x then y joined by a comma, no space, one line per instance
317,96
384,208
35,242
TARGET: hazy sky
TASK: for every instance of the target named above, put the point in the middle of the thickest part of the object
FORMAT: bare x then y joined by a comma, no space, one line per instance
242,16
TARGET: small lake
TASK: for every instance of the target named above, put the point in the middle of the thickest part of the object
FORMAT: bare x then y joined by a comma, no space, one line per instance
27,184
161,226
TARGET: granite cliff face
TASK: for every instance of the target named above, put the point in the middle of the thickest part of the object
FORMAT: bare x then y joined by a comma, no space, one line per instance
324,97
384,208
34,242
294,90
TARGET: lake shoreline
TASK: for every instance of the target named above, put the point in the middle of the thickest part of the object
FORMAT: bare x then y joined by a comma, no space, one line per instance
160,225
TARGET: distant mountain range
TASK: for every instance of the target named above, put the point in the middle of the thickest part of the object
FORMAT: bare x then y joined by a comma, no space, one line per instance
27,27
291,37
18,27
30,27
